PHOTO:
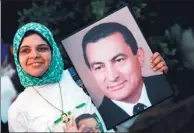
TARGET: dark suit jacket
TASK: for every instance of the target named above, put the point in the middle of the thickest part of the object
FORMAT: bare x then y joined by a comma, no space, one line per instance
157,89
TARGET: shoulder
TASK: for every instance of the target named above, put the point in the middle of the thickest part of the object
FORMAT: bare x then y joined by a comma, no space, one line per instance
106,101
66,75
18,103
22,101
66,72
156,80
67,79
68,82
16,109
18,114
155,77
163,90
159,81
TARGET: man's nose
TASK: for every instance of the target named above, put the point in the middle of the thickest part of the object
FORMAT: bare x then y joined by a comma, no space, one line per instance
112,73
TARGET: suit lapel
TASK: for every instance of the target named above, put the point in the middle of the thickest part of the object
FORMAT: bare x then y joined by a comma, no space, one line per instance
112,114
157,88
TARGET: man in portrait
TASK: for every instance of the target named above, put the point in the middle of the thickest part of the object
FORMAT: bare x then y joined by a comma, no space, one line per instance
112,55
89,120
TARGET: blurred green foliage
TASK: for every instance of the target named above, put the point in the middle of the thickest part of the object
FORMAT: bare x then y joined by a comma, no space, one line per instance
66,16
59,14
53,13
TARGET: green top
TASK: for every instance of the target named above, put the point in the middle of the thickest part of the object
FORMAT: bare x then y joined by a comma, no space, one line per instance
54,72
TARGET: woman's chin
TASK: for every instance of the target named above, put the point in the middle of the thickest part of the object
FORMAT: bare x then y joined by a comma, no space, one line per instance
36,74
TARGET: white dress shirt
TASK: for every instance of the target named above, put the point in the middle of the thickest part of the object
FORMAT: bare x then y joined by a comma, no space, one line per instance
128,107
31,113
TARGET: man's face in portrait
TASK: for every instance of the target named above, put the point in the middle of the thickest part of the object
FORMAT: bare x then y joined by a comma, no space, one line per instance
91,125
114,66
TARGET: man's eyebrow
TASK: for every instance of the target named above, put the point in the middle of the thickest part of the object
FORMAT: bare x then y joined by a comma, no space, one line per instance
112,59
119,54
96,63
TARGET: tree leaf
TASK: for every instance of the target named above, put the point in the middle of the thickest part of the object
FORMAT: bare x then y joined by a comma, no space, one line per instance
34,5
19,13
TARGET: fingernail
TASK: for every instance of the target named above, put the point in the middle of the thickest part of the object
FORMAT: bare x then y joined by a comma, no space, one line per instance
154,69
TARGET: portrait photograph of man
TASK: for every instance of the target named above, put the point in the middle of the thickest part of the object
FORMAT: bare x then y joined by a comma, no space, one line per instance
112,59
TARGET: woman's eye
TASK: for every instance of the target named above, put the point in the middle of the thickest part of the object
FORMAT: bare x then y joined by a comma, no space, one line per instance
24,51
43,49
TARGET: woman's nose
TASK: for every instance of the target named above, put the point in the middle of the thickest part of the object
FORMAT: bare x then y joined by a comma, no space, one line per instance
34,54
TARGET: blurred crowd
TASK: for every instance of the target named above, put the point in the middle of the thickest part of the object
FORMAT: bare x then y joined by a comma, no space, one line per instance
10,84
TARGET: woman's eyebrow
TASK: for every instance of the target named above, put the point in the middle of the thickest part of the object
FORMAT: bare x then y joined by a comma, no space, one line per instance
43,44
25,46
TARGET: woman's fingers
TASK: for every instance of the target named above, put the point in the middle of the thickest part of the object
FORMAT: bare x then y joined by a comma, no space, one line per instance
158,66
64,127
81,128
154,56
158,63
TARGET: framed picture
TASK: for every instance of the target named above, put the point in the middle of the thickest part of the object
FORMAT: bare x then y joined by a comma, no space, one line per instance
112,58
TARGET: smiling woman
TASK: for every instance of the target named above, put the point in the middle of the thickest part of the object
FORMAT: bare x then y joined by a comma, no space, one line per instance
50,92
34,57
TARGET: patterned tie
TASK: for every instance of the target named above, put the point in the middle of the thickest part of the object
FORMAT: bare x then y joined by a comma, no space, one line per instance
139,107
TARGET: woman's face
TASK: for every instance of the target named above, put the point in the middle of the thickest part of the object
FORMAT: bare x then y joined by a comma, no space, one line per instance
34,55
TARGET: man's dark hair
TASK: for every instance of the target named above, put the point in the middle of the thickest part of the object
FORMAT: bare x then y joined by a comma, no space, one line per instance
82,117
104,30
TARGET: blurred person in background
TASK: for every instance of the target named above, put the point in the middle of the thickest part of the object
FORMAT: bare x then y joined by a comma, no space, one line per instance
10,85
7,89
181,40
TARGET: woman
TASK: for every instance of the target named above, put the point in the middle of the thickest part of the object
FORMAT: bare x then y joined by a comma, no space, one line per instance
50,91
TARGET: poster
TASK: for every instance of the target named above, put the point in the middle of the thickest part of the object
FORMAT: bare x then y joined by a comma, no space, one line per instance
112,58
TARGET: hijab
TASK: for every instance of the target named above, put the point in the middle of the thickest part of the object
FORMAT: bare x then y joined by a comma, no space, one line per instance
54,72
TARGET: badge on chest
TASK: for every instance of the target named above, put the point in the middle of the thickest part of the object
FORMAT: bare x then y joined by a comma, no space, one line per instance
65,117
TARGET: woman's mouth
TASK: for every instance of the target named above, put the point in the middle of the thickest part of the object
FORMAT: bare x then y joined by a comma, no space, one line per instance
36,64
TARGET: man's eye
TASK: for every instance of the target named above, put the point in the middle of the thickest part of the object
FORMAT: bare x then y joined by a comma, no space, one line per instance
119,60
97,68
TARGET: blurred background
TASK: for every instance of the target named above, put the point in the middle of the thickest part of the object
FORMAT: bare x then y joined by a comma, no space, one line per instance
168,27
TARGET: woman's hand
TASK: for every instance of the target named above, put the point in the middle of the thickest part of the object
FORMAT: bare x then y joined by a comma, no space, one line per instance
72,127
158,63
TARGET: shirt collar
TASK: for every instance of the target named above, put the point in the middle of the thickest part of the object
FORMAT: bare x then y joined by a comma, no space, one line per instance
128,107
